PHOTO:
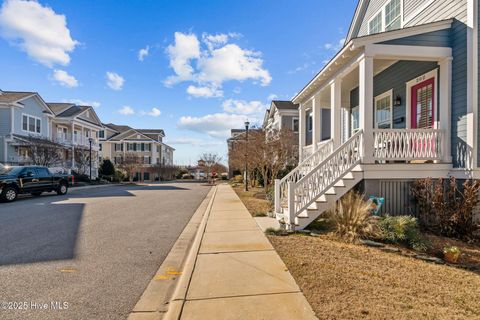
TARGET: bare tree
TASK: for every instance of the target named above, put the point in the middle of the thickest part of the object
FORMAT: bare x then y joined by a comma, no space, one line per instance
82,160
165,172
130,163
43,152
210,160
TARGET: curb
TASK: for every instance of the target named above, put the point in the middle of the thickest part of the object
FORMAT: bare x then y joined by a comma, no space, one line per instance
172,278
93,187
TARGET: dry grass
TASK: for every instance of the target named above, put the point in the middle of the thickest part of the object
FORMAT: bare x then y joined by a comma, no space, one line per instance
254,205
347,281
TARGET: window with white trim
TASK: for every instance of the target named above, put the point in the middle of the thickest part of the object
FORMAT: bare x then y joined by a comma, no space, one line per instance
310,123
31,124
383,110
389,17
375,25
295,124
392,15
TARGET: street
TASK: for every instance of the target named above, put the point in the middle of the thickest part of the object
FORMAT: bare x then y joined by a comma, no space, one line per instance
89,254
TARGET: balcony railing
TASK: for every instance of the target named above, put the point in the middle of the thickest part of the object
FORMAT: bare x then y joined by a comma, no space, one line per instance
69,139
408,144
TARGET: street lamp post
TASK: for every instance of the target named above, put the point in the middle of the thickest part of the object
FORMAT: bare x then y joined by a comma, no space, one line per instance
246,154
90,140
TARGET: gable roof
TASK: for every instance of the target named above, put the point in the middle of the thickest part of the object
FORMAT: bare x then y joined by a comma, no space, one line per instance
284,105
151,134
71,110
357,19
14,96
59,107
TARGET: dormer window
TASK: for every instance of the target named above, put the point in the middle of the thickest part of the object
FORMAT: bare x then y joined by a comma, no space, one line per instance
387,18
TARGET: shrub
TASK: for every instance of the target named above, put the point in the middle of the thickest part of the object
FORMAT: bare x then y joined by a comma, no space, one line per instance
445,208
352,218
402,229
106,168
238,178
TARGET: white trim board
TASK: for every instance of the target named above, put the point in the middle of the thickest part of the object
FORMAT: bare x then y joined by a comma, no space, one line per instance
408,104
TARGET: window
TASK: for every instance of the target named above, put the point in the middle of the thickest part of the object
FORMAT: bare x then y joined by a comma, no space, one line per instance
392,15
375,25
388,18
310,123
31,124
295,124
101,134
100,147
25,123
355,119
383,110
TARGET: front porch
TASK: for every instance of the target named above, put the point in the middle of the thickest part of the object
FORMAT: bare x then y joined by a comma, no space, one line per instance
398,96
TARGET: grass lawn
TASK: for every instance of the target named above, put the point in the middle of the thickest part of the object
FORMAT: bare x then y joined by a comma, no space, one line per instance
255,206
348,281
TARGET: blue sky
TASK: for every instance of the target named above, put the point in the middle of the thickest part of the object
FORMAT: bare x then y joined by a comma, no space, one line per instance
205,66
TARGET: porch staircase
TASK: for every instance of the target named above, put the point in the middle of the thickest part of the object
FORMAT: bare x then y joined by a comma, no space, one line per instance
316,184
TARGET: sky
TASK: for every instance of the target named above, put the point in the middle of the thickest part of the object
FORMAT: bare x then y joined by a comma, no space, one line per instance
193,68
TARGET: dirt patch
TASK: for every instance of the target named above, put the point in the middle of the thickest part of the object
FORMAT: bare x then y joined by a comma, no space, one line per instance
470,253
255,206
347,281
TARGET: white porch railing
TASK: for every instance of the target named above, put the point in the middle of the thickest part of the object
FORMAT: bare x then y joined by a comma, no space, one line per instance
408,144
307,151
324,176
324,149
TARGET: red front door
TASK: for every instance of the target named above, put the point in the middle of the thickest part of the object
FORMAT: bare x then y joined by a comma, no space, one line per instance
423,98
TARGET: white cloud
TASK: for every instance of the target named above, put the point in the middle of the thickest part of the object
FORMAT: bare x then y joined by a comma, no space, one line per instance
143,53
243,107
115,81
205,92
216,125
155,112
64,79
272,96
126,110
80,102
186,48
217,62
334,46
194,142
37,30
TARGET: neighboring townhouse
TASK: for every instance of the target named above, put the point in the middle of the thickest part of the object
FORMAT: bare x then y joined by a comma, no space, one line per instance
118,141
77,128
281,115
402,95
24,118
236,135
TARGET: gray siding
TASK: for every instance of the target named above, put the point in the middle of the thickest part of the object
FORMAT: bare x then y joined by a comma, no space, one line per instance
459,93
325,125
395,77
372,9
2,147
439,38
308,134
5,120
441,10
409,6
31,107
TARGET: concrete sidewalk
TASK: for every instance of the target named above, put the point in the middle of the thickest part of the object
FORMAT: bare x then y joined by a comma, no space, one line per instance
234,271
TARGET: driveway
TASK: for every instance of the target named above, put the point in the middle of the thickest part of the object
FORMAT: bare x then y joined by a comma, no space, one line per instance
89,254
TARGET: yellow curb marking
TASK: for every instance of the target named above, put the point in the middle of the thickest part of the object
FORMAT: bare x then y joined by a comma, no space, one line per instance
68,270
167,275
160,277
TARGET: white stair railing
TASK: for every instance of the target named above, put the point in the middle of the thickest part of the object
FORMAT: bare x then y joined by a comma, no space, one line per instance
323,176
324,149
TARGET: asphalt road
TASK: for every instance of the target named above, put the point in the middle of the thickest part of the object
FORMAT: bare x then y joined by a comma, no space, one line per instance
93,251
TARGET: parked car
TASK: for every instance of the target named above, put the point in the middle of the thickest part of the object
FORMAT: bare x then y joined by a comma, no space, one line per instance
31,179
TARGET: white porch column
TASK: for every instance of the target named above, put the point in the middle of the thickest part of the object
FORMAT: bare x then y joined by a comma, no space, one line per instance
335,112
316,135
445,107
301,130
366,106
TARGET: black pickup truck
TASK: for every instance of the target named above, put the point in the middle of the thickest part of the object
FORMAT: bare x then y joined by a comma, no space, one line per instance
31,179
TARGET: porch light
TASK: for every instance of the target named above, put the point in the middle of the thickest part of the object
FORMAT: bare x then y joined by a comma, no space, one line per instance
398,101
